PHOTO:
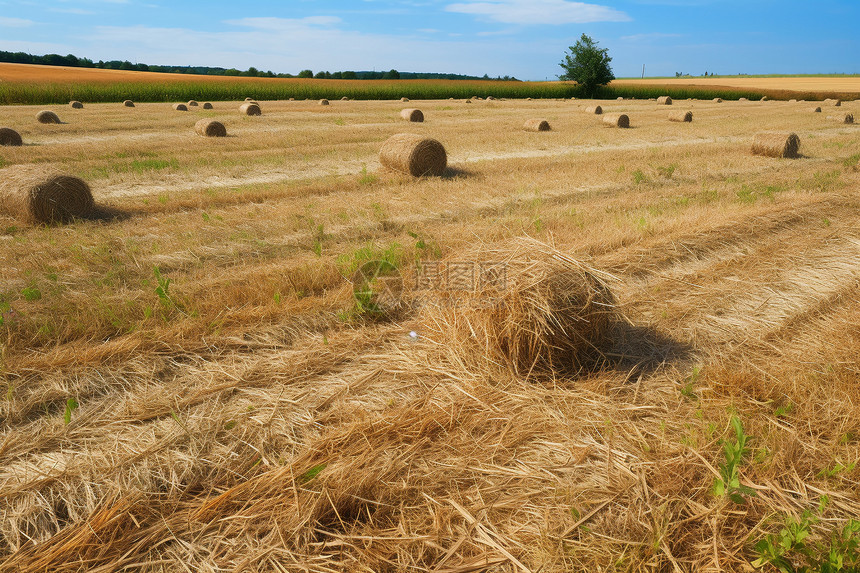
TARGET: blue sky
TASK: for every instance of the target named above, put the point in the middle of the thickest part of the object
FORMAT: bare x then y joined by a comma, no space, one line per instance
521,38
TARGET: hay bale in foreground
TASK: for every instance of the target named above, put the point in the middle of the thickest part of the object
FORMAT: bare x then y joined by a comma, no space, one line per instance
46,116
681,116
38,194
323,102
776,144
842,118
415,115
210,128
75,104
664,100
250,109
616,120
413,154
595,109
532,308
10,137
536,125
192,103
128,103
207,105
816,109
180,107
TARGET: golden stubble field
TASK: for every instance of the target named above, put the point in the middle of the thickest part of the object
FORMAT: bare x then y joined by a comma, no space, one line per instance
246,417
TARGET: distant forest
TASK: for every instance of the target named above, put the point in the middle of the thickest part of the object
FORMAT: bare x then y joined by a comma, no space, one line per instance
76,62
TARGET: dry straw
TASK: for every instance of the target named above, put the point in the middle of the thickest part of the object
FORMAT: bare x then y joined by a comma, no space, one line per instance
344,98
10,137
210,128
415,115
192,103
816,109
76,104
207,105
249,99
595,109
536,125
404,99
531,308
128,103
323,101
616,120
413,154
619,98
776,144
37,194
250,109
664,100
743,99
490,98
46,116
681,116
180,107
842,118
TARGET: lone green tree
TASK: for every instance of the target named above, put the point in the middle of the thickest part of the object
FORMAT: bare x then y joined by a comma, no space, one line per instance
587,65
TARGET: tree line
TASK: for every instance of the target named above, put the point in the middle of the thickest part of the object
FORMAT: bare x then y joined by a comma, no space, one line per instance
76,62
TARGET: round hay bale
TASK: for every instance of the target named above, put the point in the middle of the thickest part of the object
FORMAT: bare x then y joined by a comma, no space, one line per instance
595,109
664,100
763,98
10,137
619,98
776,144
292,99
128,103
842,118
743,99
180,107
76,104
404,99
536,125
250,109
816,109
532,308
415,115
46,116
718,100
490,98
616,120
207,105
344,98
210,128
468,101
192,103
38,194
249,99
323,102
792,100
837,103
413,154
682,116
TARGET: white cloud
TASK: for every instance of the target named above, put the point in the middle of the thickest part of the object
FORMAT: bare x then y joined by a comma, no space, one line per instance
15,22
540,11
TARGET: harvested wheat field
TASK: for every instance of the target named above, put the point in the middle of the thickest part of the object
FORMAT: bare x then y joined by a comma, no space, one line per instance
589,350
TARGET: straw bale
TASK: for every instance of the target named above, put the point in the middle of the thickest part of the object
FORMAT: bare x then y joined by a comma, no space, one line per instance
75,104
323,101
207,105
413,154
681,116
344,98
128,103
536,125
619,98
38,194
404,99
743,99
250,109
664,100
718,100
616,120
595,109
46,116
210,128
842,118
192,103
415,115
180,107
816,109
776,144
10,137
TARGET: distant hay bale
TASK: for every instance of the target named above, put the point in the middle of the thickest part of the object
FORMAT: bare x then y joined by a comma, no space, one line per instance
776,144
128,103
763,98
192,103
207,105
9,137
323,101
344,98
595,109
413,154
38,194
816,109
46,116
533,309
490,98
664,100
837,103
616,120
792,100
718,100
842,118
681,116
404,99
249,99
250,109
210,128
743,99
834,102
292,99
415,115
536,125
180,107
75,104
468,101
619,98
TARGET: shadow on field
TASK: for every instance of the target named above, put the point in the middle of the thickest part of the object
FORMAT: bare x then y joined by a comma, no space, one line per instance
641,350
457,172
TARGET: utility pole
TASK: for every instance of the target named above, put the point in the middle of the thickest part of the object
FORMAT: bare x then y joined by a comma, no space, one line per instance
643,71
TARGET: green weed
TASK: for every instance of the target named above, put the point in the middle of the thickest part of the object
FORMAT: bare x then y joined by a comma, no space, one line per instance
729,482
71,406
